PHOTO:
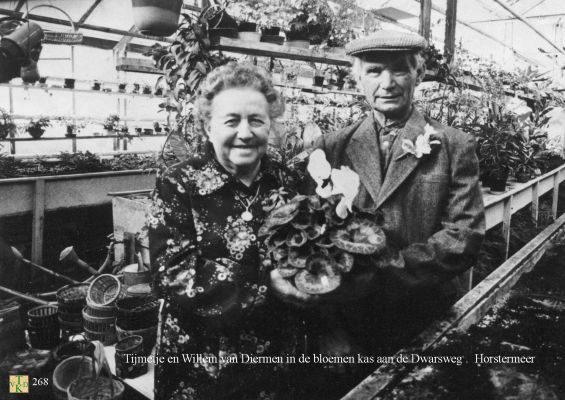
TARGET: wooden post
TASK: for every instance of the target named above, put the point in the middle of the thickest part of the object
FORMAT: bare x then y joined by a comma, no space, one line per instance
12,134
425,16
535,203
37,224
555,194
450,24
506,218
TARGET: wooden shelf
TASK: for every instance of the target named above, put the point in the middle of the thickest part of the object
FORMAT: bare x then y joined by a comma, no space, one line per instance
137,65
89,91
291,53
251,48
101,136
55,118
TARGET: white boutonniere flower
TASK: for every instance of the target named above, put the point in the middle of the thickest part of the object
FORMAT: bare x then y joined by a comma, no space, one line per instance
331,181
422,145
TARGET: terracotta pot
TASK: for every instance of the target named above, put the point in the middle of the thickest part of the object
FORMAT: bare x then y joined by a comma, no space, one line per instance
273,31
36,133
156,17
498,182
319,80
30,73
523,177
247,27
22,39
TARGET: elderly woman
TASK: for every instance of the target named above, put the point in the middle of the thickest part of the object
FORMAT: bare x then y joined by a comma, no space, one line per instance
208,262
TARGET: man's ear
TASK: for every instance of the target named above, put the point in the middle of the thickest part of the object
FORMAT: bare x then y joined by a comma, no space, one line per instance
421,73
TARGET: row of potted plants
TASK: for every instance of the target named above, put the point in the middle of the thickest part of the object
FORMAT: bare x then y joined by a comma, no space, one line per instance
133,88
73,163
36,126
305,21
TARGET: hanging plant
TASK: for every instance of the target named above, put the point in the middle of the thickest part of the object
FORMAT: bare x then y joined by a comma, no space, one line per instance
185,64
156,17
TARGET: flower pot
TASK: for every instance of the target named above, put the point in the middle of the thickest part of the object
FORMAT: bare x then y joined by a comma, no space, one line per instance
136,88
220,24
220,19
21,40
319,81
6,130
148,131
275,39
30,73
523,177
69,83
36,133
247,27
146,90
70,132
96,86
156,17
122,88
498,182
273,31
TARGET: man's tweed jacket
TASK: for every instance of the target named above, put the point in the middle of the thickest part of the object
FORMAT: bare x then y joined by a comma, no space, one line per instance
432,206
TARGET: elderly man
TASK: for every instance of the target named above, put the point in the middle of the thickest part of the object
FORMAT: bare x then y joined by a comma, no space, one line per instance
423,178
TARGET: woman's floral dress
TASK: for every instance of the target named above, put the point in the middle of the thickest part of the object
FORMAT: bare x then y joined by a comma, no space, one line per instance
208,265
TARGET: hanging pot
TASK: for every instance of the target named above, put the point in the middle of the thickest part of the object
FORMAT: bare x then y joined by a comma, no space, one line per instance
22,39
156,17
30,73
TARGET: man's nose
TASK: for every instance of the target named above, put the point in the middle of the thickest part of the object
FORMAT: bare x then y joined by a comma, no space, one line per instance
386,80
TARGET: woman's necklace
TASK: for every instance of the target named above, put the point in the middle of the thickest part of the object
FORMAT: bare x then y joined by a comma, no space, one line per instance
247,215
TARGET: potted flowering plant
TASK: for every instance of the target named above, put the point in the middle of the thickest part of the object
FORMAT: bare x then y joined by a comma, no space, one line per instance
314,240
112,122
7,125
72,128
36,128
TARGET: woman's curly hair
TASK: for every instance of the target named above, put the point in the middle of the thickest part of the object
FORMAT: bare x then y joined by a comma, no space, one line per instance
234,75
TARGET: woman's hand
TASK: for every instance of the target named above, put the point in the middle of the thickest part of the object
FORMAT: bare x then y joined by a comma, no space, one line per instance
287,292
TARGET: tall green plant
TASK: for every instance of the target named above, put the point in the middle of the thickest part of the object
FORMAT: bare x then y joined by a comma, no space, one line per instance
185,63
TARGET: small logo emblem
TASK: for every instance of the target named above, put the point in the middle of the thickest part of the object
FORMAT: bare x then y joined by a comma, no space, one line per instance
19,384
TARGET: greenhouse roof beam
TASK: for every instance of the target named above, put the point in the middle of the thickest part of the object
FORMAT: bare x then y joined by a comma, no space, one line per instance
98,28
532,27
385,18
468,25
20,5
514,18
89,11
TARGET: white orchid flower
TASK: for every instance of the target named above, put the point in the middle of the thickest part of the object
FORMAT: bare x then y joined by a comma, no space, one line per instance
345,182
320,170
423,143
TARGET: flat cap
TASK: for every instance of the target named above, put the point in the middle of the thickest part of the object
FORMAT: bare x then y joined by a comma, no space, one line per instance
386,41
